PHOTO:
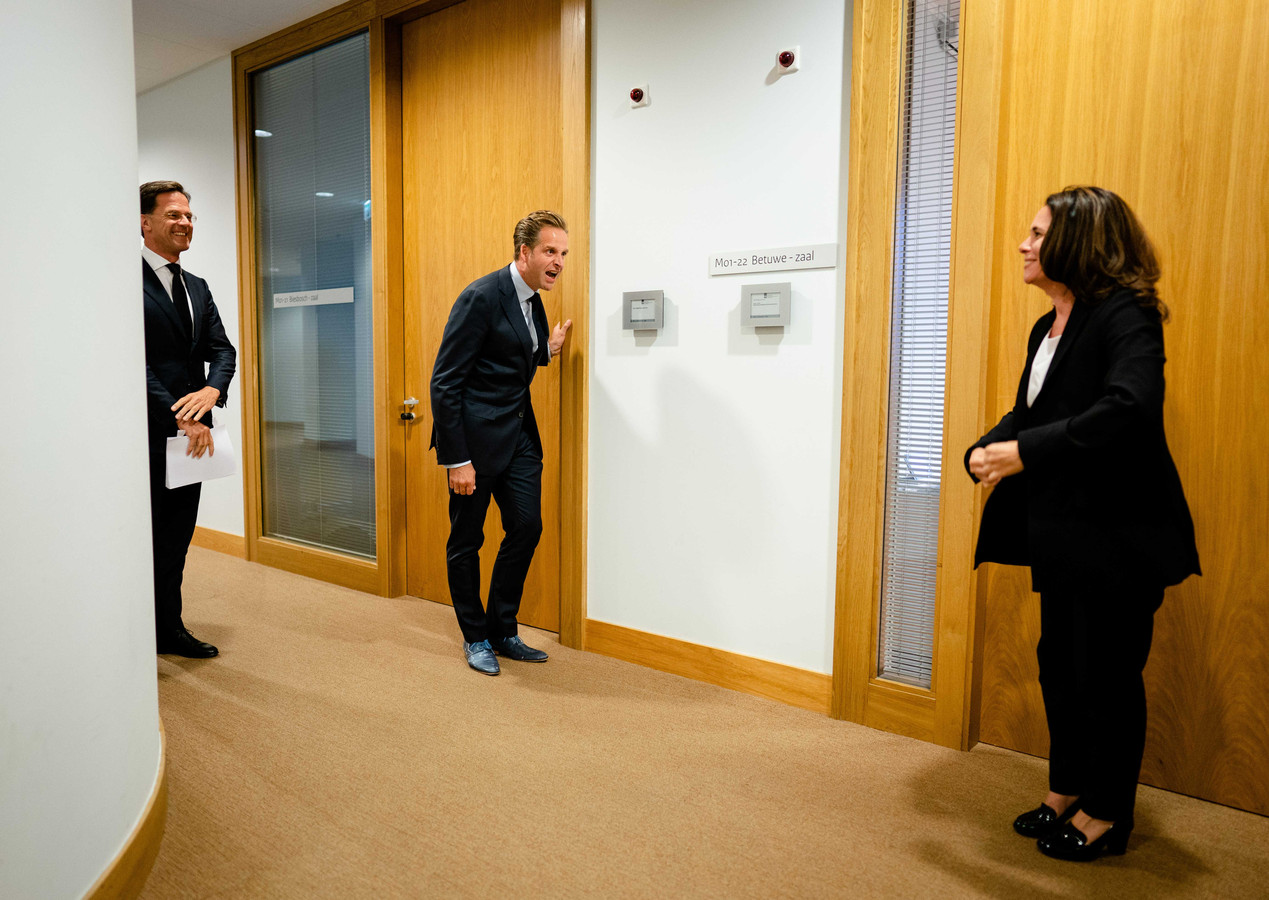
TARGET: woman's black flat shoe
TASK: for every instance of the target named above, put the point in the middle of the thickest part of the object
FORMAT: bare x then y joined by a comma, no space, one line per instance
1069,843
1043,821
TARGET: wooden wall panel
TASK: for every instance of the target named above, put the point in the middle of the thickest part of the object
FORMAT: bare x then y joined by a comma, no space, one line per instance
874,109
482,146
389,336
575,304
1168,105
947,712
959,613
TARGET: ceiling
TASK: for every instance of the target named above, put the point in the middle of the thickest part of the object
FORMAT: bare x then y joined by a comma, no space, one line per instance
173,37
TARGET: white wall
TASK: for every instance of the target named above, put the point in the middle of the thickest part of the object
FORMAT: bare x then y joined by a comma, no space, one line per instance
185,132
79,728
714,449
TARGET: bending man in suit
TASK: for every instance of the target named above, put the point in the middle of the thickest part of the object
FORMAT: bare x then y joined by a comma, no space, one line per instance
485,434
182,332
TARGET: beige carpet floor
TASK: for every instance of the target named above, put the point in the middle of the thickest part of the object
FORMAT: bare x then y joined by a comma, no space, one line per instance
341,748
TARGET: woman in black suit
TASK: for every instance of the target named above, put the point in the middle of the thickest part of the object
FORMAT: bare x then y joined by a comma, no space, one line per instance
1086,494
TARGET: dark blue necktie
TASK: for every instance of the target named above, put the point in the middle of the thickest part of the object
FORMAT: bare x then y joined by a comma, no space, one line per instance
535,303
180,299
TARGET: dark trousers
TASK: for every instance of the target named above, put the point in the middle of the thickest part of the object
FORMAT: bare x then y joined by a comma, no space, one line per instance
173,514
1093,648
518,492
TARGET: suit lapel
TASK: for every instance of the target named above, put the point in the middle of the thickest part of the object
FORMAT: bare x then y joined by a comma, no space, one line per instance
515,314
1074,325
194,290
1038,331
153,290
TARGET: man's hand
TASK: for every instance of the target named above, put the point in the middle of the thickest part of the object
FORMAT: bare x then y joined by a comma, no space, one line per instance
558,333
200,438
191,407
462,479
995,461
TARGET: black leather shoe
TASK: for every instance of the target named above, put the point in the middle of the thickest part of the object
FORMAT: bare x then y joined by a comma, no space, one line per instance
1069,843
1043,821
514,648
181,643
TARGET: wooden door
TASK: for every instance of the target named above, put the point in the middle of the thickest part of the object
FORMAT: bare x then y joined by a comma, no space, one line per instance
482,146
1166,105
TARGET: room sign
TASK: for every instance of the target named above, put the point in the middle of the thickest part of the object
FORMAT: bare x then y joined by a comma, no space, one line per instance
313,298
781,259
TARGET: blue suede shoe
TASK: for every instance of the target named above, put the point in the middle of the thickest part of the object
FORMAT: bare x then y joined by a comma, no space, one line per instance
480,657
514,648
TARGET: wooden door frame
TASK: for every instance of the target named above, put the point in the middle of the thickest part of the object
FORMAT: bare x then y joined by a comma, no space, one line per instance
385,576
948,712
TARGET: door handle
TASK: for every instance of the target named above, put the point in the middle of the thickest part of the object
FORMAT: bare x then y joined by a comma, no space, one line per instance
409,402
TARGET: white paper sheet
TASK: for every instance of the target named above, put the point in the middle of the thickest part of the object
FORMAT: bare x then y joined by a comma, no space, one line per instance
183,470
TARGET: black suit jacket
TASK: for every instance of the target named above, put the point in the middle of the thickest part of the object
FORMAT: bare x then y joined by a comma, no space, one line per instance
174,364
1099,496
480,383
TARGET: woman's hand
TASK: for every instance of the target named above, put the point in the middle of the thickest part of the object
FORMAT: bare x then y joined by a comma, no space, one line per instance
995,461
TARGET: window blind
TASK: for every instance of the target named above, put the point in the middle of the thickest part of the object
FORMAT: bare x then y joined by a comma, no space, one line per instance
918,342
311,117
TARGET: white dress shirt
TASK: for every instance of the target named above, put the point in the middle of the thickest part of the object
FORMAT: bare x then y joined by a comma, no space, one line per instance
160,267
1040,366
524,294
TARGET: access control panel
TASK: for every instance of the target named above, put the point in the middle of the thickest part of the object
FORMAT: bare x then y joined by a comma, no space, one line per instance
643,310
765,304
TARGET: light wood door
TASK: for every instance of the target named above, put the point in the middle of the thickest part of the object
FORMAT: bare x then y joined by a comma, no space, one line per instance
482,146
1164,103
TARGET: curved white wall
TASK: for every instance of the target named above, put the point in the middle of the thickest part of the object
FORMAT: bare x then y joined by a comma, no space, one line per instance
79,729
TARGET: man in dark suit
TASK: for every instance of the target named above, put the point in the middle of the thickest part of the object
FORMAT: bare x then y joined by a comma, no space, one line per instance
182,332
485,434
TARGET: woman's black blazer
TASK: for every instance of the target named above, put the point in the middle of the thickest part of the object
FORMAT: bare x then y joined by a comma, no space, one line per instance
1099,496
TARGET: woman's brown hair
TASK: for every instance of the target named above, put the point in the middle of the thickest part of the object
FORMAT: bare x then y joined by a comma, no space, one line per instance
1095,246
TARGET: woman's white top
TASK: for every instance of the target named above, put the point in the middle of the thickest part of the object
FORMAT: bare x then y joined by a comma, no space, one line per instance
1040,366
